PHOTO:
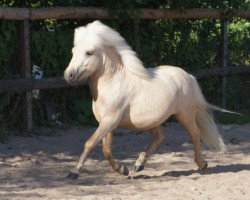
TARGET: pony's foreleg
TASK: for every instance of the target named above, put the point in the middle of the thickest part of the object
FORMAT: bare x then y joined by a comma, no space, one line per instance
158,137
107,151
98,135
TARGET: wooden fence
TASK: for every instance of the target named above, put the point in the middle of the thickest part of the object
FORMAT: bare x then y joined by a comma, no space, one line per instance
26,83
103,13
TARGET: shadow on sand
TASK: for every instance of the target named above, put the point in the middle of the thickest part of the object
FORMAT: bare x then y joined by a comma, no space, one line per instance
211,170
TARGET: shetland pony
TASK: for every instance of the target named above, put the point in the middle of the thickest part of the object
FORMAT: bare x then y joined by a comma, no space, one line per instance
125,94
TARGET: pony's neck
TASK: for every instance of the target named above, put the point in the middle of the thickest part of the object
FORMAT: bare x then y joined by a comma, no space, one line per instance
111,69
112,62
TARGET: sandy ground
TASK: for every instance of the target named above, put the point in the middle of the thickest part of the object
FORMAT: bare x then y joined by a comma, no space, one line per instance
36,167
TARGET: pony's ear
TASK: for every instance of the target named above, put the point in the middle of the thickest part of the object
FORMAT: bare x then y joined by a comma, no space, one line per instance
79,33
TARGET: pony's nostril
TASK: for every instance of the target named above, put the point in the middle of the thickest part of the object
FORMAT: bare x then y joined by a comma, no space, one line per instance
71,76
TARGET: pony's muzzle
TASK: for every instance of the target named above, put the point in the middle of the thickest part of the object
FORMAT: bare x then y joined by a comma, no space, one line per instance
69,76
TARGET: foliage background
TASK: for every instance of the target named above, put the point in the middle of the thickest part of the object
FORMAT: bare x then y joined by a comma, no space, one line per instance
190,44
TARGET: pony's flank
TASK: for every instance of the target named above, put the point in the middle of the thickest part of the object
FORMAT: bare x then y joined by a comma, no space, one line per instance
102,35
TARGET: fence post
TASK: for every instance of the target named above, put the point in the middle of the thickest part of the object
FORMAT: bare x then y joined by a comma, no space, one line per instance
224,33
26,72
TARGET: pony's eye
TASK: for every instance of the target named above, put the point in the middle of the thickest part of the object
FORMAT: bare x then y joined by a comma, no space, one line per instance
89,53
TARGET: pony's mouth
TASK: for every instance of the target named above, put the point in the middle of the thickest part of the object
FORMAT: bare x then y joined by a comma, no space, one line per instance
78,79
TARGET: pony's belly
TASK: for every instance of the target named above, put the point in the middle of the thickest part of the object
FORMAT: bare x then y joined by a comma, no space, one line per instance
140,125
150,109
144,121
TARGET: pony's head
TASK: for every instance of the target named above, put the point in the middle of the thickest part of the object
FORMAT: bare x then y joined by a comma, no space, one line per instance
90,43
85,56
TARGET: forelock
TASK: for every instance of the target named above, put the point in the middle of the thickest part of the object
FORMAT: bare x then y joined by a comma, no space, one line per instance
79,34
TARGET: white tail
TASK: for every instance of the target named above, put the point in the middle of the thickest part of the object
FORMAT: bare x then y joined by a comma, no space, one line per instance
204,118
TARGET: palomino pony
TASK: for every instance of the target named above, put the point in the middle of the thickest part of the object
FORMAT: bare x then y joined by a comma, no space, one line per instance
125,94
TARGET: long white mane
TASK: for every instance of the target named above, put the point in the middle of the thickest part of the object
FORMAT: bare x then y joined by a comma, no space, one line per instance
101,35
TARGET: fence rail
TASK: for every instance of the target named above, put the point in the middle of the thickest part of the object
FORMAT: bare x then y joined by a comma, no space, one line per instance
103,13
222,72
27,84
19,85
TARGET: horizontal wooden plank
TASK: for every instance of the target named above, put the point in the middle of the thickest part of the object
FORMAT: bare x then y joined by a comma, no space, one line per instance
27,84
227,71
103,13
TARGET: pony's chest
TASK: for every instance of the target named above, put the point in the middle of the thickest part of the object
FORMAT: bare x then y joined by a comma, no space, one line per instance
108,106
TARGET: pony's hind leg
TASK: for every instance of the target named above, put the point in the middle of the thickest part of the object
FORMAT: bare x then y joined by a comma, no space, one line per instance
190,125
107,151
157,136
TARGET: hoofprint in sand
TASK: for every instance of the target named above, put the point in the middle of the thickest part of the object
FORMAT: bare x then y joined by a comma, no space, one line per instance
36,167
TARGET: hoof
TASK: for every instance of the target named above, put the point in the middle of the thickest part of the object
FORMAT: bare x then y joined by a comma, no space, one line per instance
138,168
73,176
124,170
205,166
